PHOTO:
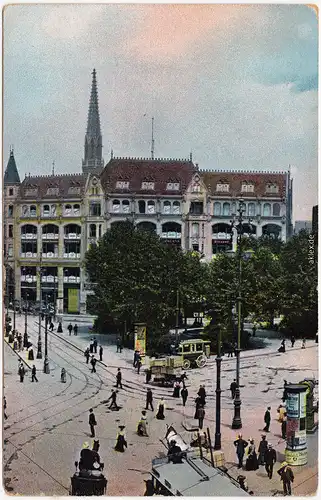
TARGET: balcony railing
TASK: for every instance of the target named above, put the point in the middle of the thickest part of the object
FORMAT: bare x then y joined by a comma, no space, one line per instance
28,236
71,255
28,255
72,236
50,236
49,279
50,255
28,278
71,279
171,235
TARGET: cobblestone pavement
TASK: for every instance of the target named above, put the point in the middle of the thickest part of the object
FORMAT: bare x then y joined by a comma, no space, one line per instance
48,421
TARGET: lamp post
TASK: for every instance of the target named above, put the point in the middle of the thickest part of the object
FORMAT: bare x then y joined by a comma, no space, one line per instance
25,336
39,347
46,368
177,315
217,443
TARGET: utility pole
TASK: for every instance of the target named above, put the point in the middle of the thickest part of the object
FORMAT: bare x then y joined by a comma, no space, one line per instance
217,444
25,336
46,368
39,349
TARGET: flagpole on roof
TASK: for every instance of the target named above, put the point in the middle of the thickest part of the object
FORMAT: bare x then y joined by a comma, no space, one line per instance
153,142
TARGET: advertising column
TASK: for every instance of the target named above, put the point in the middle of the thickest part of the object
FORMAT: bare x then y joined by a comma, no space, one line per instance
296,443
140,339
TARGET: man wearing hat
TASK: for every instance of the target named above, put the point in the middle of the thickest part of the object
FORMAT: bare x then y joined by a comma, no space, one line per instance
267,419
287,477
270,459
263,446
240,445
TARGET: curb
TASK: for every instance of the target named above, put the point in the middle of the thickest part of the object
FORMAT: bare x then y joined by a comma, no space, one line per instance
17,354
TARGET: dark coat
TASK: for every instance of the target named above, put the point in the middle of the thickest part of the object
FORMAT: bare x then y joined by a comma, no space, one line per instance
92,419
267,417
270,456
286,475
240,446
201,393
149,396
184,393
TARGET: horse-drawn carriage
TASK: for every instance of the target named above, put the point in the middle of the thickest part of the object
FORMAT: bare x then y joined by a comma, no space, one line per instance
89,480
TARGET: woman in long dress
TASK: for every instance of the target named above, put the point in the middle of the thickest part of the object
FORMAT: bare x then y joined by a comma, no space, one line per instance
177,388
161,407
251,461
142,425
121,442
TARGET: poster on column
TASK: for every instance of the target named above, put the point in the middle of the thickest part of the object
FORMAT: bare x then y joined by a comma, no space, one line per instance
292,405
303,404
140,338
73,300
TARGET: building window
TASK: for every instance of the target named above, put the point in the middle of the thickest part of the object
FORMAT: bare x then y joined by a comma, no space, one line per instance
217,208
33,210
10,230
95,209
10,251
94,191
222,187
46,210
76,209
125,206
226,209
10,211
251,209
167,207
272,188
68,209
247,188
172,186
10,191
141,207
74,190
92,231
195,230
266,210
148,185
122,185
196,187
196,208
99,230
276,209
31,192
116,206
176,207
150,207
53,191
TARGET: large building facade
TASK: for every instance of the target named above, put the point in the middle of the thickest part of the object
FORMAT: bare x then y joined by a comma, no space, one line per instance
51,221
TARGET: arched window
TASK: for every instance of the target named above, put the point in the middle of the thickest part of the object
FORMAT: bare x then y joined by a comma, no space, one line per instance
226,209
10,191
76,209
125,206
195,230
150,207
116,206
266,210
167,207
276,209
33,210
46,210
176,207
68,209
142,207
217,208
251,209
92,231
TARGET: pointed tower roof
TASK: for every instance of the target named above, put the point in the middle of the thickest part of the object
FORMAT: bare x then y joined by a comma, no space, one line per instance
93,123
11,175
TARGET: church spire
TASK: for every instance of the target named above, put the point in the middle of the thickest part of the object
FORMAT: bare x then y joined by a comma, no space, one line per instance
11,175
93,139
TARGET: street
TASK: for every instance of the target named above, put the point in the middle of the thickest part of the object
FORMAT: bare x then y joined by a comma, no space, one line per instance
48,421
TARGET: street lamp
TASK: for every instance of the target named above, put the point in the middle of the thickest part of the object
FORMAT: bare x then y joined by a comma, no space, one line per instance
177,316
46,368
238,224
39,347
217,443
25,336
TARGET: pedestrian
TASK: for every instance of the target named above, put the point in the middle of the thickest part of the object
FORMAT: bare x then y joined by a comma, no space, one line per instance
22,372
281,411
118,379
34,374
70,328
283,426
282,346
95,345
63,375
176,390
4,408
267,419
118,342
243,482
149,399
184,394
139,363
284,396
287,477
42,316
233,388
51,326
113,399
142,425
59,329
251,461
202,395
121,442
201,416
101,350
19,337
183,377
148,373
303,343
160,410
136,354
254,330
229,350
76,329
269,459
87,355
292,341
263,446
91,346
240,445
197,405
92,422
93,362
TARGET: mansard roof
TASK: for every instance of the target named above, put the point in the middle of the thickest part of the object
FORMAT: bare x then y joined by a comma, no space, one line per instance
63,182
160,171
235,179
11,175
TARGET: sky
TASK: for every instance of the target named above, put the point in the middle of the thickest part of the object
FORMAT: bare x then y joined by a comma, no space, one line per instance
236,85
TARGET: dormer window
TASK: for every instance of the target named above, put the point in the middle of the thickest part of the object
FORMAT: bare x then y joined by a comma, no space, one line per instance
272,188
122,184
223,188
74,190
247,187
148,185
31,191
53,191
172,186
